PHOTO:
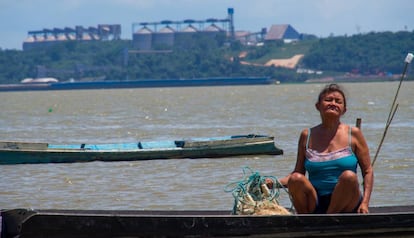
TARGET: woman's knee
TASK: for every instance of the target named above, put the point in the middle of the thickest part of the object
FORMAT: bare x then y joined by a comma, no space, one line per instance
348,176
296,176
296,179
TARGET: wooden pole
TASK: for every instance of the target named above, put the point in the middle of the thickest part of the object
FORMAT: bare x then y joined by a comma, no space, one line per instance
394,105
358,123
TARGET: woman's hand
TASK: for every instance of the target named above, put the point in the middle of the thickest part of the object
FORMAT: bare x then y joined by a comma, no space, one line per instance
269,183
279,184
363,208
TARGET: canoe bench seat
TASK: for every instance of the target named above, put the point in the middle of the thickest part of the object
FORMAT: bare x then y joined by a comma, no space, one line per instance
117,147
156,144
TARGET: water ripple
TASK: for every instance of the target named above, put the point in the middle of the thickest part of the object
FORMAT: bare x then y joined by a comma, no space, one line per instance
102,116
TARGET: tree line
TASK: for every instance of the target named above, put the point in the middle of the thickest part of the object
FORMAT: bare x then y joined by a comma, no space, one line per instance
366,54
370,53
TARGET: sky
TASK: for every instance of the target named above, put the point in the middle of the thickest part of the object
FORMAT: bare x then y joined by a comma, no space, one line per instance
322,18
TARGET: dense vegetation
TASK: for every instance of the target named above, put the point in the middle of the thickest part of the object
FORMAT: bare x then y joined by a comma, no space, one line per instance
371,53
365,54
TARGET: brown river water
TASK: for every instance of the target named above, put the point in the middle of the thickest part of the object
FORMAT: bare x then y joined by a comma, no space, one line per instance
131,115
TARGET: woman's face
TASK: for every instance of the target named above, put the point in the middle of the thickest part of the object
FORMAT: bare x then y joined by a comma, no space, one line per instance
331,104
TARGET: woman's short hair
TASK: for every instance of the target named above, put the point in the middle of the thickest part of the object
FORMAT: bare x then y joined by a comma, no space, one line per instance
333,87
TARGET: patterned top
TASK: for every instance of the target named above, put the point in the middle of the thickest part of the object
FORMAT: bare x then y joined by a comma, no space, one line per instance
325,168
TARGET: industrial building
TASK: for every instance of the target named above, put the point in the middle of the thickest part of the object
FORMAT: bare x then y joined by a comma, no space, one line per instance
47,37
153,35
150,36
283,32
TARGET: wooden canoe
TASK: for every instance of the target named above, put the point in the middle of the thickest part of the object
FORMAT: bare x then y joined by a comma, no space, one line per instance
33,153
392,221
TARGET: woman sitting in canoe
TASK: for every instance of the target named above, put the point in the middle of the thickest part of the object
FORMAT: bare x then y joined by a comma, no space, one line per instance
330,152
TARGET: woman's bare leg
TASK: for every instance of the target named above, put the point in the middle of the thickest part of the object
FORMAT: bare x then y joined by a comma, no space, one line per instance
346,194
303,193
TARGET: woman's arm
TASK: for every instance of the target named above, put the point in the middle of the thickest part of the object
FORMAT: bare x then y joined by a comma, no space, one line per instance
361,150
300,160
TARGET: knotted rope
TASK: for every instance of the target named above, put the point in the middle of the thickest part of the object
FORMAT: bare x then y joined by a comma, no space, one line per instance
253,197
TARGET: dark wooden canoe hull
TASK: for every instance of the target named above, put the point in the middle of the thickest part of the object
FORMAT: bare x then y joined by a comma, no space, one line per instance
382,221
34,153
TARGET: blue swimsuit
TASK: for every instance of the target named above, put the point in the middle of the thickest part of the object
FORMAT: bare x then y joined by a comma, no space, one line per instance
325,168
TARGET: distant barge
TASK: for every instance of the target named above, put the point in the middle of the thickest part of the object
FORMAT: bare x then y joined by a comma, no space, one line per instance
146,83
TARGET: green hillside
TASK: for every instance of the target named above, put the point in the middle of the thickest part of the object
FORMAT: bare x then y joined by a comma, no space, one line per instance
375,55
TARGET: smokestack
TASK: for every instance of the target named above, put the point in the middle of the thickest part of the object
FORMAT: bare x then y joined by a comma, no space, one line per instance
230,12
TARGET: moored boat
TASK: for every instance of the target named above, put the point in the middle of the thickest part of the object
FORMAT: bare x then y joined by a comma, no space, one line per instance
392,221
34,153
